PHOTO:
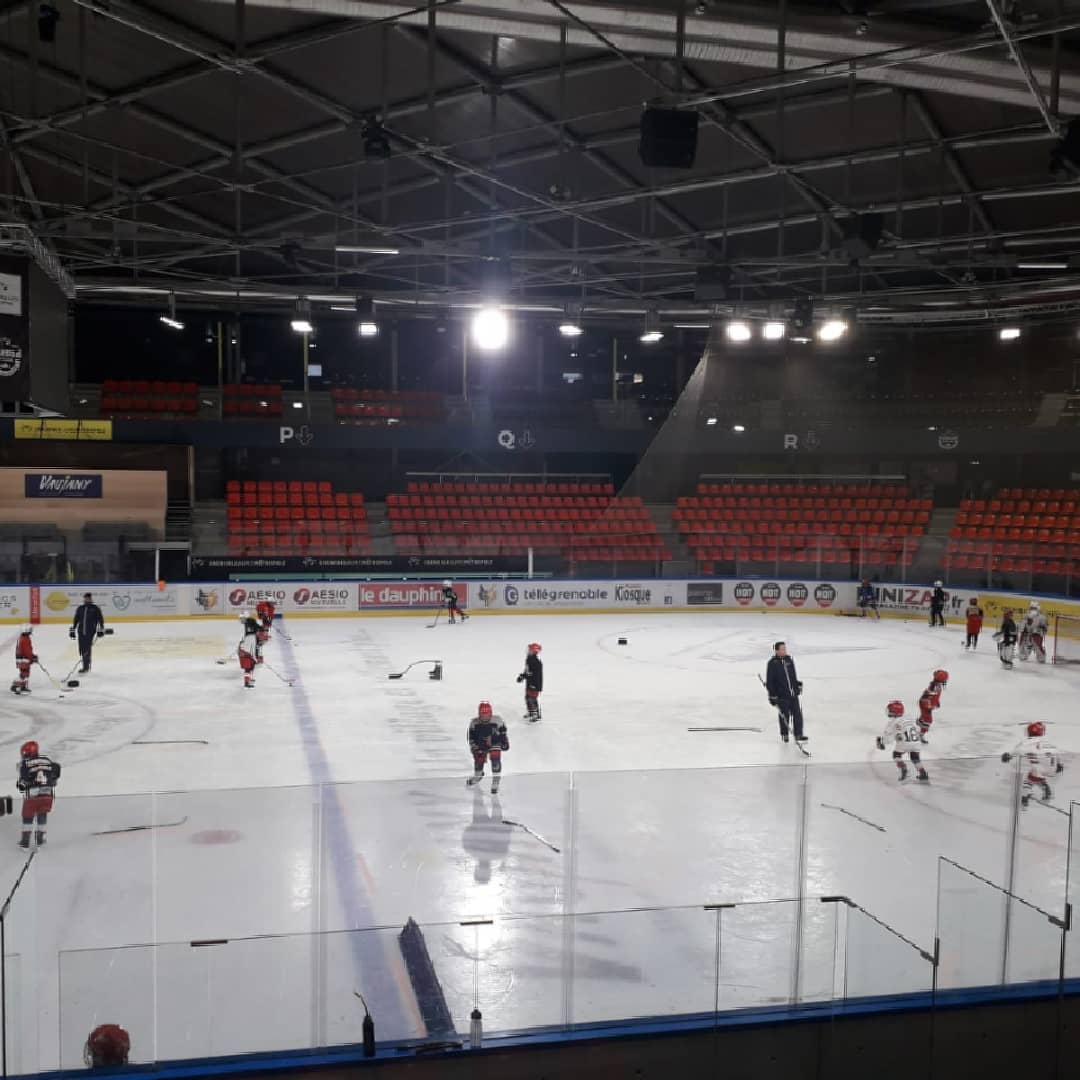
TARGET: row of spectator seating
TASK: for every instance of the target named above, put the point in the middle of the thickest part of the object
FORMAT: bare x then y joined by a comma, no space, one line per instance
424,487
294,517
145,387
377,406
801,490
583,502
610,549
251,400
836,515
1008,564
120,406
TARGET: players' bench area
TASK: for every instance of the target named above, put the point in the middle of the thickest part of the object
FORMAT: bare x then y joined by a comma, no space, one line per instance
874,526
294,517
1032,531
577,521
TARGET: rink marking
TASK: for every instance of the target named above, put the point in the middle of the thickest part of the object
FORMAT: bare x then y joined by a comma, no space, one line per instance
355,898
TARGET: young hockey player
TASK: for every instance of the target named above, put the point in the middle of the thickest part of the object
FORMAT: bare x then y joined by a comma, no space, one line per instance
866,599
249,650
264,612
937,605
24,657
450,599
533,678
107,1046
1006,638
1039,758
88,625
487,738
903,736
36,779
974,616
1033,633
783,687
929,700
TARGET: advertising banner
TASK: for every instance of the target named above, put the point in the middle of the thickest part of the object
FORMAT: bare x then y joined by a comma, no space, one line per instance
994,605
15,604
115,601
14,330
62,485
67,430
757,595
387,595
915,599
289,597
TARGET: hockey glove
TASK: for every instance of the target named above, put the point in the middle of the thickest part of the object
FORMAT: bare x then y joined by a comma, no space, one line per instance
100,634
71,633
34,659
521,678
798,687
1006,758
773,701
880,743
504,742
1060,766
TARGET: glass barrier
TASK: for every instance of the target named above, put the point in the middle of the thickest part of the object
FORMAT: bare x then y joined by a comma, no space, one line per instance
881,962
971,924
1072,894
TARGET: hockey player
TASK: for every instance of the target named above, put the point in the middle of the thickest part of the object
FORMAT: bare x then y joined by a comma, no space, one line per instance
87,625
107,1046
264,612
450,599
937,605
867,601
1006,638
487,738
1040,758
974,617
1033,632
533,678
783,687
24,657
903,736
929,700
36,779
249,651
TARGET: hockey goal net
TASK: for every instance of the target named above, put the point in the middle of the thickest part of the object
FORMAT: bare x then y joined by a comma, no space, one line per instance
1066,639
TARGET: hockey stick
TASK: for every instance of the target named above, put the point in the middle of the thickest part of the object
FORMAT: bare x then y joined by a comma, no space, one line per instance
71,684
724,729
415,663
169,742
535,835
275,672
142,828
431,625
829,806
787,727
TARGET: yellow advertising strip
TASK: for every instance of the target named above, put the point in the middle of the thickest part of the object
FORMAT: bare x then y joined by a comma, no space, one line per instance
995,604
73,430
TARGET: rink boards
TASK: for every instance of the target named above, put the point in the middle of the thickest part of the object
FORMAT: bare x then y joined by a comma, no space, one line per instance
202,600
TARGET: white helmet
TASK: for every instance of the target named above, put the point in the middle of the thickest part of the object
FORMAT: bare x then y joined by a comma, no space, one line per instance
1034,605
244,616
447,584
937,584
27,630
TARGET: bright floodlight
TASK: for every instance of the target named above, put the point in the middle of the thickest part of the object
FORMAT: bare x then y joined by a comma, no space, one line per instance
490,329
832,330
651,337
738,427
1009,333
301,326
570,329
368,328
171,322
773,331
737,331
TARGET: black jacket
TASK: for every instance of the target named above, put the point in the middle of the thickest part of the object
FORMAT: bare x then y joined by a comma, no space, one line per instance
781,679
534,672
88,619
1008,632
937,599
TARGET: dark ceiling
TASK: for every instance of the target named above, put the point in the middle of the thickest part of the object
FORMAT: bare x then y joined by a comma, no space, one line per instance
222,149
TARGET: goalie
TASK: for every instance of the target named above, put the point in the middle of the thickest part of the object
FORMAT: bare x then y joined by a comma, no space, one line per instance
1039,759
1033,633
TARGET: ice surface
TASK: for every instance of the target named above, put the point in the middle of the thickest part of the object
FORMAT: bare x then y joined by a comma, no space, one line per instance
316,812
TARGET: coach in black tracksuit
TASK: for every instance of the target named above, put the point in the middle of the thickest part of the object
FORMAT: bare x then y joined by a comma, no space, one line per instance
784,688
87,625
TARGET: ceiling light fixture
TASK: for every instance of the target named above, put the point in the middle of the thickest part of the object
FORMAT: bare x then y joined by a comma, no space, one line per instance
711,422
365,308
570,329
490,328
738,331
738,428
1009,333
832,330
652,332
774,330
365,249
170,319
301,321
1043,264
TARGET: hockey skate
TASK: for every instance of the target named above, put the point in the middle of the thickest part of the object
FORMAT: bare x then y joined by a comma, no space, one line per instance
1024,800
903,771
495,781
474,779
24,843
924,776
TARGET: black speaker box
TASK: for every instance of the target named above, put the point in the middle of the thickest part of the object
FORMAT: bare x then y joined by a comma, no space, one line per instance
668,138
712,283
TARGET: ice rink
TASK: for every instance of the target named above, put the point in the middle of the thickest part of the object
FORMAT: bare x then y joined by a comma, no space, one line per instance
288,816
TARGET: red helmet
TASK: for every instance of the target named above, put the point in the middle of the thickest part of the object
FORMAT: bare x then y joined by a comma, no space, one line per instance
29,749
107,1044
895,709
941,676
534,646
1036,729
483,710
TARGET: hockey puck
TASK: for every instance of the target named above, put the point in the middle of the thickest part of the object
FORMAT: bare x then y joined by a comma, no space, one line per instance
622,641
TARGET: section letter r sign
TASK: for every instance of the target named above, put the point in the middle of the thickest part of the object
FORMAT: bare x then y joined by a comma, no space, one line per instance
791,442
285,434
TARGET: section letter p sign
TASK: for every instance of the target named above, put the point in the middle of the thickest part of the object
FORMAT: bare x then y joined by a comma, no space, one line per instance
285,434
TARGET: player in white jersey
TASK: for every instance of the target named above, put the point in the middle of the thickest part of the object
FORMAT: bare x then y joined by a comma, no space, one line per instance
1033,631
1039,758
904,737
